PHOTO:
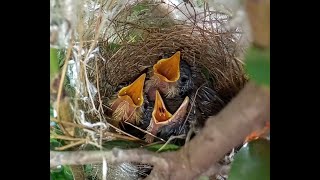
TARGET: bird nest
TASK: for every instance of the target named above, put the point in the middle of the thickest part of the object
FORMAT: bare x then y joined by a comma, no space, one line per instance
139,41
113,50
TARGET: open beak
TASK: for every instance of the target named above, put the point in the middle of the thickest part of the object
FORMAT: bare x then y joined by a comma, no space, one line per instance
133,93
160,113
168,69
161,116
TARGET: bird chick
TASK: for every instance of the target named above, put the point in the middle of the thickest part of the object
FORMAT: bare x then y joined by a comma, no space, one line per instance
161,118
165,77
206,102
128,104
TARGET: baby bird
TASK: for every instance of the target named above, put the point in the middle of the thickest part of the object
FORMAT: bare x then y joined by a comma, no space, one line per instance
128,104
170,76
162,121
207,103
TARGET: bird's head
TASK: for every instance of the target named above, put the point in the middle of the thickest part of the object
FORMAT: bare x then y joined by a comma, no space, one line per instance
128,103
162,117
166,73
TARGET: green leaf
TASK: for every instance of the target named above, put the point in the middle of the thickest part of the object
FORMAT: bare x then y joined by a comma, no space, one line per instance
51,111
122,144
61,53
200,3
208,76
88,168
140,8
258,65
61,173
55,143
113,47
168,147
252,162
54,64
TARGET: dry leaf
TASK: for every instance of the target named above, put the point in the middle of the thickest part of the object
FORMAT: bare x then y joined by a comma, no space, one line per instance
66,114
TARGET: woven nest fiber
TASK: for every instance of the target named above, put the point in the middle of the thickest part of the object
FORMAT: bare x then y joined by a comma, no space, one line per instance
144,31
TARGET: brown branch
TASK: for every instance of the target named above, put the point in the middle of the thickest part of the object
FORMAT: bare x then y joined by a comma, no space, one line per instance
214,169
114,156
56,136
71,145
247,112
